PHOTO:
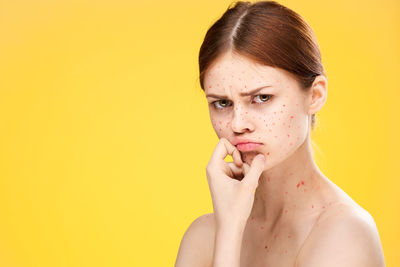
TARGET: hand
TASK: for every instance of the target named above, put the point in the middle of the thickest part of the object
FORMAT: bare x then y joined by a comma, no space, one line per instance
232,195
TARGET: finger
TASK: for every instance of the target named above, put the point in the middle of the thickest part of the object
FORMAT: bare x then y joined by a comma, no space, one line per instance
223,148
238,172
253,174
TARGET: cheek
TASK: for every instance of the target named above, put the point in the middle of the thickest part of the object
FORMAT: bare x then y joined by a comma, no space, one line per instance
283,127
220,125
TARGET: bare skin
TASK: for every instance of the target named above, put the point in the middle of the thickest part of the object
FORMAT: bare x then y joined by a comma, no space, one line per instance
299,217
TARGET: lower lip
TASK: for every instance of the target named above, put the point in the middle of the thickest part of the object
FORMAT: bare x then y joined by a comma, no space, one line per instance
248,146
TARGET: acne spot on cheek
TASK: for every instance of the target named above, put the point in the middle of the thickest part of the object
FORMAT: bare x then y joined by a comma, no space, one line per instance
210,86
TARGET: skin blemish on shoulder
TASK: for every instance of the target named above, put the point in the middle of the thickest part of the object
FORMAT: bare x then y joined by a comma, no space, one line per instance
299,184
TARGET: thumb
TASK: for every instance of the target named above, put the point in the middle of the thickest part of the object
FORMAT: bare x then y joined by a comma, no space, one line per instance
253,174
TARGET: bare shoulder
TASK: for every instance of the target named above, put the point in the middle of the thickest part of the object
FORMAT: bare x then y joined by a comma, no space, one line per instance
197,244
344,235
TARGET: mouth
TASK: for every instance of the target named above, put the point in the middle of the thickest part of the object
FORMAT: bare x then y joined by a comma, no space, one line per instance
248,146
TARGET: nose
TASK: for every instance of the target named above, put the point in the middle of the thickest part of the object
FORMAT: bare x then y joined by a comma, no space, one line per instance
240,120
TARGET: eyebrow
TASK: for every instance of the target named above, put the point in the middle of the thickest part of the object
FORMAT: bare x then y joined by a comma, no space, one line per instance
242,94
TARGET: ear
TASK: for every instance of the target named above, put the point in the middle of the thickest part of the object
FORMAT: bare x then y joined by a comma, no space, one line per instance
318,94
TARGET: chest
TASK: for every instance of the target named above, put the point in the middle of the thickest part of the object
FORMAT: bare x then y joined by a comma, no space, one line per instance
276,248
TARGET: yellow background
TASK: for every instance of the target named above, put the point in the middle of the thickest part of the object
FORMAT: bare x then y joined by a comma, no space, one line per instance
105,134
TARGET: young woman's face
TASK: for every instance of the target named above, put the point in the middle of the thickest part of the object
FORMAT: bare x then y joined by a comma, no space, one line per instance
276,115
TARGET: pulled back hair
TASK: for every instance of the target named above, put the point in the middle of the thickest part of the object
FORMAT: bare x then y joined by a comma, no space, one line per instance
267,33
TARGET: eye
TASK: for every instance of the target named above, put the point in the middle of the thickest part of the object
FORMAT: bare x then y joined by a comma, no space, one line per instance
263,99
218,101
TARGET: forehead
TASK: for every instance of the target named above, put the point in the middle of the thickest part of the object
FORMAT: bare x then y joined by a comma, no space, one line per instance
234,71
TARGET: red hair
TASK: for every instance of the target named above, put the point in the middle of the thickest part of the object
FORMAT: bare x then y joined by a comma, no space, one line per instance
267,33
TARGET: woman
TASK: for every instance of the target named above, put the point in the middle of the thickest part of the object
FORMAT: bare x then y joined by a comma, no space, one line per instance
260,68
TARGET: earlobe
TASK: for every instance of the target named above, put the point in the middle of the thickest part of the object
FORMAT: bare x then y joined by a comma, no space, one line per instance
319,90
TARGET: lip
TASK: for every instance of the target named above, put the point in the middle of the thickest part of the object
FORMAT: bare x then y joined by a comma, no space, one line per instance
249,146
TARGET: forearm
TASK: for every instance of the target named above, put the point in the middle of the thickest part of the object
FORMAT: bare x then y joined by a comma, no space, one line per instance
227,246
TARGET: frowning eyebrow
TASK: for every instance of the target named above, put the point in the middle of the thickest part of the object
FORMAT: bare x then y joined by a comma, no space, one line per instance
242,94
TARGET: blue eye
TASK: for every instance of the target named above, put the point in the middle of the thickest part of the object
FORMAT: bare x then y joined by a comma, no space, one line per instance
263,100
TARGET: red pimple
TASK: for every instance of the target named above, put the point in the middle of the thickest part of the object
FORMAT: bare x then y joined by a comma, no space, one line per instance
286,193
210,86
288,135
291,117
276,136
267,153
262,227
312,206
289,236
284,105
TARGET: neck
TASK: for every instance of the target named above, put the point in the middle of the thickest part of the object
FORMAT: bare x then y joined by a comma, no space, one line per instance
286,188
